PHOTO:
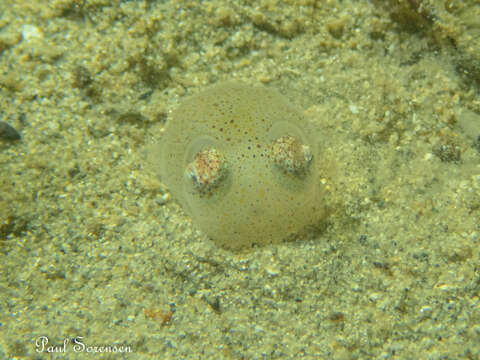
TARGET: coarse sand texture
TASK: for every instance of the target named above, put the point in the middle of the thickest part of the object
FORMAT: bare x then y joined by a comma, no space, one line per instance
242,163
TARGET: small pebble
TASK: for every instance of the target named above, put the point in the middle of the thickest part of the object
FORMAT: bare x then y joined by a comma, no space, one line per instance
162,200
8,133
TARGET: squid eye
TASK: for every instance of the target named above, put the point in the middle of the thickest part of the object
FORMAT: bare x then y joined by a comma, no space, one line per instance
207,170
290,155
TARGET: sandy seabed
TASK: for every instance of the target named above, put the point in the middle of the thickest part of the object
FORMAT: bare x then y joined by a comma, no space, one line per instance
97,260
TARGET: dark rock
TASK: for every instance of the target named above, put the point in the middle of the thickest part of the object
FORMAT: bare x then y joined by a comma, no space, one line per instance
8,133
